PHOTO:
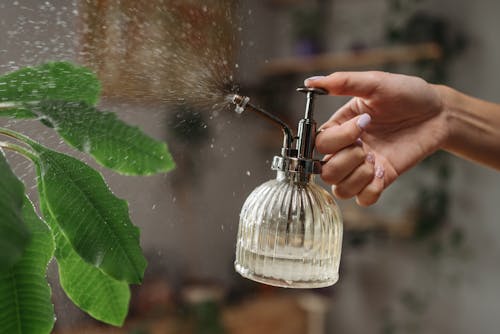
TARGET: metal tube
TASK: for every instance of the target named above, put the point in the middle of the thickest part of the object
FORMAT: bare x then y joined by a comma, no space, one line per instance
309,106
242,103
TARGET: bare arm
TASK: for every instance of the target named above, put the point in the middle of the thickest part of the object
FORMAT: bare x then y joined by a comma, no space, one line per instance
474,127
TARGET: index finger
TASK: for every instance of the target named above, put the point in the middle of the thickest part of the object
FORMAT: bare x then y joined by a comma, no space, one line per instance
361,84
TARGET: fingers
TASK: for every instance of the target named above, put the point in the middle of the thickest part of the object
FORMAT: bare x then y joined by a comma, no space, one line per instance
340,165
355,182
371,193
361,84
336,137
365,182
352,172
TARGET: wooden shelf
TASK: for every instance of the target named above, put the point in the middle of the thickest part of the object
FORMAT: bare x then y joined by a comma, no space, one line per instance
284,2
369,58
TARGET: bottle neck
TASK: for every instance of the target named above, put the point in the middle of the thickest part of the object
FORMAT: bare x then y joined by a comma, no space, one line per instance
295,177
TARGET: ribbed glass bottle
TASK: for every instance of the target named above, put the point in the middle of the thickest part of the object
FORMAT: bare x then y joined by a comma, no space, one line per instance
290,234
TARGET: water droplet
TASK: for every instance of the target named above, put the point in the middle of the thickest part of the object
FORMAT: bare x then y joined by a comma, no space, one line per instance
98,259
87,146
248,173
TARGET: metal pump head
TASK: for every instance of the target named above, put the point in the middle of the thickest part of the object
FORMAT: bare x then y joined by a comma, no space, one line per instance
302,164
299,160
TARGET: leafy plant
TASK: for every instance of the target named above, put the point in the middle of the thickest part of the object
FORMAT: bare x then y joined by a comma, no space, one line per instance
83,225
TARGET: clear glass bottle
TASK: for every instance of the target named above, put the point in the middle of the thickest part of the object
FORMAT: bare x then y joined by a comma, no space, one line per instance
290,234
290,231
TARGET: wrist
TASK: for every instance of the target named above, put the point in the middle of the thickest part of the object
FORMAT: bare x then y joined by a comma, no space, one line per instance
448,100
470,126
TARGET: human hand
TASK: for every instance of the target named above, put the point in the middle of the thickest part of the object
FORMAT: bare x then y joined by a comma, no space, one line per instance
392,123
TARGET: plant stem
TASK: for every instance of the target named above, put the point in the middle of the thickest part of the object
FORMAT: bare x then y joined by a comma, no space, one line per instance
19,149
18,136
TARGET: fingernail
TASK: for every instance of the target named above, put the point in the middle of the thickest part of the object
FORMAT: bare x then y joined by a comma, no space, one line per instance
308,80
379,172
363,121
370,157
326,158
322,128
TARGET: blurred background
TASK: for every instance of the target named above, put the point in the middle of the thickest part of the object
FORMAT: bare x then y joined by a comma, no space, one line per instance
422,260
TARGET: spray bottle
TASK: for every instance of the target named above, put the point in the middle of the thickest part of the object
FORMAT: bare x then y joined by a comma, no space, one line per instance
290,229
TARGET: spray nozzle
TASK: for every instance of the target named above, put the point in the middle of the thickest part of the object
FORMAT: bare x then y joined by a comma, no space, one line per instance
239,101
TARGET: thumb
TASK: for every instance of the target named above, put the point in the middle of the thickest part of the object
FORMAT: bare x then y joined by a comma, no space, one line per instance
361,84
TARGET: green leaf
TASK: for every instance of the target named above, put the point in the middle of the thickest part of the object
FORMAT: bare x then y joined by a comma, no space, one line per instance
95,222
14,235
113,143
94,292
51,81
62,95
25,305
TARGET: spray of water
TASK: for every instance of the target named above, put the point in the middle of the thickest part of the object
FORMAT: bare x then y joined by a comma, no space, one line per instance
173,51
167,52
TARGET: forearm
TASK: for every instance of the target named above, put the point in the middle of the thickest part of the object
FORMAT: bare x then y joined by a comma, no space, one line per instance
473,127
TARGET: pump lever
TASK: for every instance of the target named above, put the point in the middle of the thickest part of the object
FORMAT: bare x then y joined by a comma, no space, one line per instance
307,126
310,92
